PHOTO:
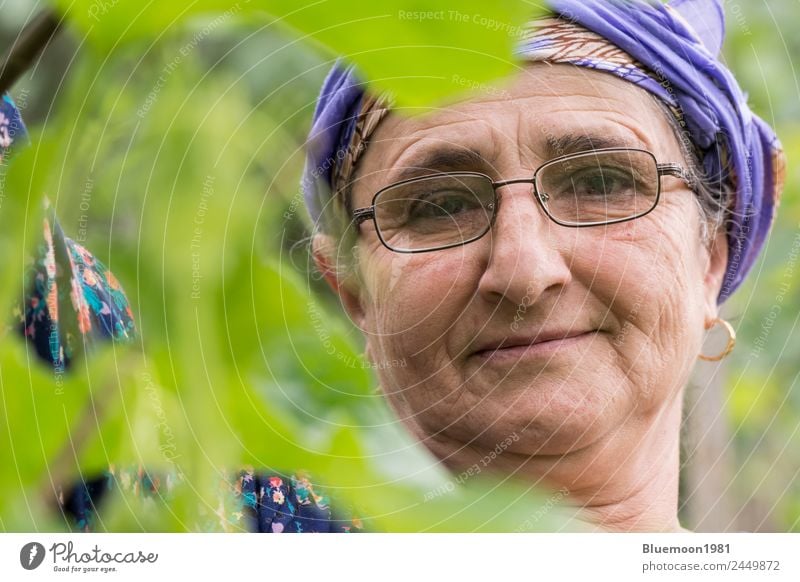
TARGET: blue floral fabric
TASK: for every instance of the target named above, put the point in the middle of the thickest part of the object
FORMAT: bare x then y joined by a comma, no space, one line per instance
276,504
11,126
262,502
73,300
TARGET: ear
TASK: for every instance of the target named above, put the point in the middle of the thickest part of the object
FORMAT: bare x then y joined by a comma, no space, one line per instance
715,274
323,250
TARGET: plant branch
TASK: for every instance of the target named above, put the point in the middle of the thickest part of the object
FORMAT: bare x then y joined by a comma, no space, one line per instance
30,43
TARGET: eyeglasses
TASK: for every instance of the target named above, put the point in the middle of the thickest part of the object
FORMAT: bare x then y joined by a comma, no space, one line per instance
449,209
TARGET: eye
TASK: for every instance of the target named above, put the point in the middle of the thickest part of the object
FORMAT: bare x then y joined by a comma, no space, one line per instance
443,204
604,182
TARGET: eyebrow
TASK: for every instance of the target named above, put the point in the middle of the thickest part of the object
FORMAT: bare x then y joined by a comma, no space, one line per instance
451,158
572,143
442,159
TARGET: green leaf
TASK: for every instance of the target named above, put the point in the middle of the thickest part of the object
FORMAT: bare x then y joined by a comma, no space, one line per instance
419,51
49,421
21,215
406,489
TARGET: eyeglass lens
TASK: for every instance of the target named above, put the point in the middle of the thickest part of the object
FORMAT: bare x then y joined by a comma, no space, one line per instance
451,209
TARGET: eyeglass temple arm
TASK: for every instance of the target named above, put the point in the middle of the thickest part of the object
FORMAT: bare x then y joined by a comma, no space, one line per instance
362,214
676,170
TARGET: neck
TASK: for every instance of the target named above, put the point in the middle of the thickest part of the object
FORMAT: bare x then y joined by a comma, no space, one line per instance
627,480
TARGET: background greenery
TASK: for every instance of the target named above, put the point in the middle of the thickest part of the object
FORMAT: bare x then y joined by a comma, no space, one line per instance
170,137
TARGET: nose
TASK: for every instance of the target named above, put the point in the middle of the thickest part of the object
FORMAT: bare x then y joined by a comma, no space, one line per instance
526,255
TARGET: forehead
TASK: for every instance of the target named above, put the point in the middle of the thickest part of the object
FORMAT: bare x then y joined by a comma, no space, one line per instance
541,112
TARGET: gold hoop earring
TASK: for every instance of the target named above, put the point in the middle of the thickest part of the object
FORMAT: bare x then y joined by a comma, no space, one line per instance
728,348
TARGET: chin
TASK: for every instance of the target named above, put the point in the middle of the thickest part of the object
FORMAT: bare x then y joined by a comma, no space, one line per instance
559,437
552,421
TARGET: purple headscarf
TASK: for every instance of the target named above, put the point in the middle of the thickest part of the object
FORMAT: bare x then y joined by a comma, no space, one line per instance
338,106
672,59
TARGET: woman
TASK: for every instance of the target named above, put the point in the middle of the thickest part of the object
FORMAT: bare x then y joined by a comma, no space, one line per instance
547,259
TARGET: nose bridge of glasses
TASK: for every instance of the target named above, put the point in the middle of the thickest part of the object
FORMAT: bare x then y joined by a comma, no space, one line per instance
503,183
532,191
531,196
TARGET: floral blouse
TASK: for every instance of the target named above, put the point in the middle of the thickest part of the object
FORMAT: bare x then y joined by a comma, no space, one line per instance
256,502
73,300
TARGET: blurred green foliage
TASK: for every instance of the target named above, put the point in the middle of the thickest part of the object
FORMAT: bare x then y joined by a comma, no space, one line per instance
402,46
174,153
762,388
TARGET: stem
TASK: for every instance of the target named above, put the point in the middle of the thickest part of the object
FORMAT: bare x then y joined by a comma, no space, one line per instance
30,43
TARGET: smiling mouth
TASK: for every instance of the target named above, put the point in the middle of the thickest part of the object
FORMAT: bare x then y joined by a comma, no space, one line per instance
546,348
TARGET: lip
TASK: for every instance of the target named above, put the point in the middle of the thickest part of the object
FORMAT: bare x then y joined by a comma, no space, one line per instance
545,345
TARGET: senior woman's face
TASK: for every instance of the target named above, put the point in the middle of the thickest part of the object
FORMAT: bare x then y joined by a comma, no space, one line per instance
630,298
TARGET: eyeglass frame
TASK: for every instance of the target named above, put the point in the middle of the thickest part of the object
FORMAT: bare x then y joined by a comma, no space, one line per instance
675,169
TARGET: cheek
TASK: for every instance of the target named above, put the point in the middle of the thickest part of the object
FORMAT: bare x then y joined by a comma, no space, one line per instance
649,276
416,300
417,296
